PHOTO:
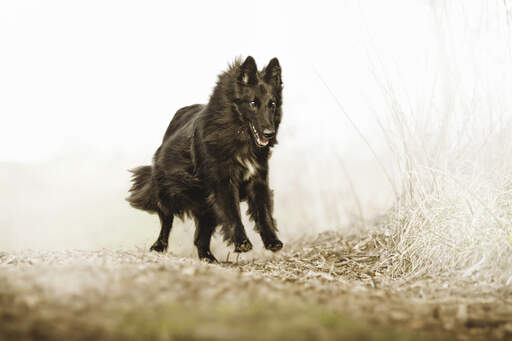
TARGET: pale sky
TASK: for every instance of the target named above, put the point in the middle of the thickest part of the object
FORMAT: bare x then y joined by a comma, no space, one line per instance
108,75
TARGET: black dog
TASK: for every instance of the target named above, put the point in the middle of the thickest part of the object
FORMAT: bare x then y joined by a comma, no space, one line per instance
213,156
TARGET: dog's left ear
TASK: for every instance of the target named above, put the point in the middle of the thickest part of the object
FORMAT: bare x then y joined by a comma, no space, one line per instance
273,72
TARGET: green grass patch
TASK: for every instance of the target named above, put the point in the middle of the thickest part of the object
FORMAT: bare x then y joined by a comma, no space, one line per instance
257,321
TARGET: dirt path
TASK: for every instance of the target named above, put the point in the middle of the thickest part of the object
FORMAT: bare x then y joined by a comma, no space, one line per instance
329,287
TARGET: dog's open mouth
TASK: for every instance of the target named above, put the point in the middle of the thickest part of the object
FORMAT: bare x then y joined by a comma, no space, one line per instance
260,140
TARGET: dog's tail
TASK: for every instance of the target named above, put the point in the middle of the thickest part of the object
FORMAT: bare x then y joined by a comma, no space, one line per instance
143,192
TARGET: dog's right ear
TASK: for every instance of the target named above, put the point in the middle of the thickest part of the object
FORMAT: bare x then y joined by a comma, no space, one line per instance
248,70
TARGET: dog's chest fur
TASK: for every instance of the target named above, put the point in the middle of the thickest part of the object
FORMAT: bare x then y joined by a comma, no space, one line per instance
248,166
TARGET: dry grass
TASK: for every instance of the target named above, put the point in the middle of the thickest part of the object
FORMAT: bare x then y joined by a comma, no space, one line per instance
453,217
452,151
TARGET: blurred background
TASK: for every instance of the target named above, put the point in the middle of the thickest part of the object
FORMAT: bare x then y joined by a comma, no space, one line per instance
87,90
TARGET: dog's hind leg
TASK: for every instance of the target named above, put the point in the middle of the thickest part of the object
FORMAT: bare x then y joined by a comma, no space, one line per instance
163,238
205,226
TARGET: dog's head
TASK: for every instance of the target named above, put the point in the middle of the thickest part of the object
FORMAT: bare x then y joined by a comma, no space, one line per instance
258,99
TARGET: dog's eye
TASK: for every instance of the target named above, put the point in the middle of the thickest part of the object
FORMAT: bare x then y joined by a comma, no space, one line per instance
252,104
272,104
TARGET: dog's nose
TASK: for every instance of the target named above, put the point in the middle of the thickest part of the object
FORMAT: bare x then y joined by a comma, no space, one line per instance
268,133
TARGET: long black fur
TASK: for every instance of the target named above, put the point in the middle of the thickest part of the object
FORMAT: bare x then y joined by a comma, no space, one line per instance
213,157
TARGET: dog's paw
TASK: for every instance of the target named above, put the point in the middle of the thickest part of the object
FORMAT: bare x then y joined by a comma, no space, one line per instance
159,246
274,245
207,257
243,246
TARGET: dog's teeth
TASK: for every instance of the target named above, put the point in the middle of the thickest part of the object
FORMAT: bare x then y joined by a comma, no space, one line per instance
260,142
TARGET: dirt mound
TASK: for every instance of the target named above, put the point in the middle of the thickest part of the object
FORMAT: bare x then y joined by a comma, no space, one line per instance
325,287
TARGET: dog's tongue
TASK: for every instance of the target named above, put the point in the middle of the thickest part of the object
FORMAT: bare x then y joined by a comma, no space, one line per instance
263,141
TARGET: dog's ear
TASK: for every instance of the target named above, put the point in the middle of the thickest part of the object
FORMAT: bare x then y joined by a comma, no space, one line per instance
273,72
248,71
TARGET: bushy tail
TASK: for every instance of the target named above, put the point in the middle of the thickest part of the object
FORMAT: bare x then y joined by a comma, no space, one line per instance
142,193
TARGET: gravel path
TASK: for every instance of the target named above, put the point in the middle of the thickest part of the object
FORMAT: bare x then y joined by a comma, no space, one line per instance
326,287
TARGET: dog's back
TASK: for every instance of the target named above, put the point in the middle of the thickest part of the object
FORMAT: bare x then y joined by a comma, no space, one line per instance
182,121
171,177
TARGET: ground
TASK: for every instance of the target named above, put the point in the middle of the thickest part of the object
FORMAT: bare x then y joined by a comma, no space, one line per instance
326,287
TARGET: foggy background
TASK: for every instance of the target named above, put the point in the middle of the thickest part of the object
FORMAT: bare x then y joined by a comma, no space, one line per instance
88,89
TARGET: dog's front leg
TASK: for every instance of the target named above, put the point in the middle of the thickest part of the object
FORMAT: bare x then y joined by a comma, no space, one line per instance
226,203
260,210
